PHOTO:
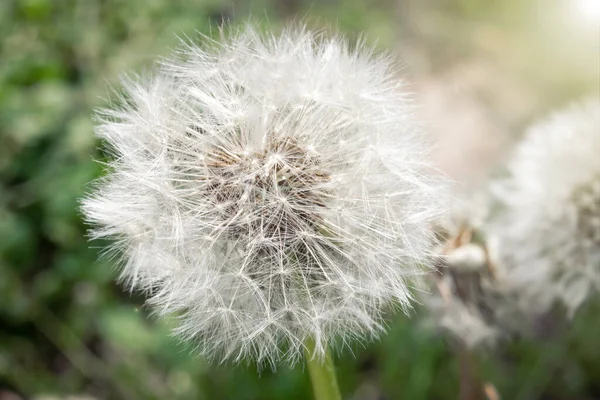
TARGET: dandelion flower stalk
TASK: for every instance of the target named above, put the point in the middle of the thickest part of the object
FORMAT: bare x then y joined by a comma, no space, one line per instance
322,374
272,192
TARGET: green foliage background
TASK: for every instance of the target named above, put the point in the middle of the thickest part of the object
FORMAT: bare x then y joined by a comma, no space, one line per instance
68,329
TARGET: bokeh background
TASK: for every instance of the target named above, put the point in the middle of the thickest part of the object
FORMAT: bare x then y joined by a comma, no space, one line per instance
481,72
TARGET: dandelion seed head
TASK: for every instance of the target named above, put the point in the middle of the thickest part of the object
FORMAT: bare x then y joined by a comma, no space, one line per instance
267,189
466,298
549,231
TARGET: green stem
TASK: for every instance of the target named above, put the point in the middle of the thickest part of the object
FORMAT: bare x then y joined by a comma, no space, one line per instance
322,373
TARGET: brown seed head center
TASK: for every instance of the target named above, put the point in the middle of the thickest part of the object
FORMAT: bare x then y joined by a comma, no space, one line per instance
276,193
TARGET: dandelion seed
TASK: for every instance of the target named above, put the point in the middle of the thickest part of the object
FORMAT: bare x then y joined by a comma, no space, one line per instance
268,189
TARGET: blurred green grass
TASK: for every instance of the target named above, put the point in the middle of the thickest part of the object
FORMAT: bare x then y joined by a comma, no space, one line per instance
67,328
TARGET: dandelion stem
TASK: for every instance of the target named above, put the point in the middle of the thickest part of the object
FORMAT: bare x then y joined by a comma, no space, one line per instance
471,387
322,373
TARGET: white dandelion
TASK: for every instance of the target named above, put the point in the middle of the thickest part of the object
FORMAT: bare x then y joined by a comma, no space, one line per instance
549,231
268,190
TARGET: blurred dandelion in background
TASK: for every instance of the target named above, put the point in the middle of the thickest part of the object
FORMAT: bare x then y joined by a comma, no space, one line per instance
461,296
549,227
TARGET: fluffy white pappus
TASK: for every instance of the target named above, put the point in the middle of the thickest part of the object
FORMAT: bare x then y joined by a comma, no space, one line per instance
463,322
268,189
549,231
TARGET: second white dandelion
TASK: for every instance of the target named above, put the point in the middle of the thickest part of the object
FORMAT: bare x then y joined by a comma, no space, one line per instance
549,231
